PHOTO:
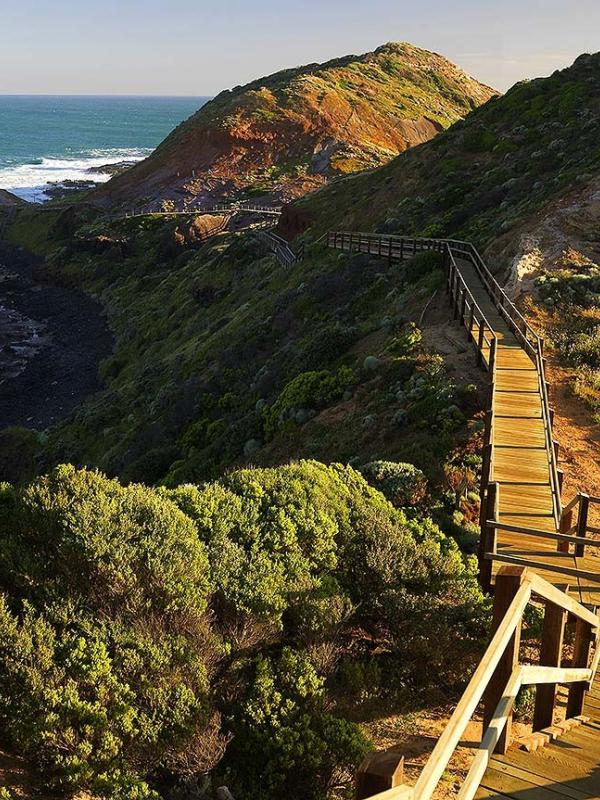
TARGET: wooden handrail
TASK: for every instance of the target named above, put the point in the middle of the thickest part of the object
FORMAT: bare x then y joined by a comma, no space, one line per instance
573,572
472,696
400,247
557,537
529,585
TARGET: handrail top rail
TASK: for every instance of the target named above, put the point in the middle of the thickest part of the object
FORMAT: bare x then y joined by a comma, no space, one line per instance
475,303
530,584
468,246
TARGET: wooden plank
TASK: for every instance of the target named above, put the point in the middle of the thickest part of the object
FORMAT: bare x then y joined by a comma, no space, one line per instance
518,404
517,380
533,675
521,465
522,499
514,786
566,789
507,434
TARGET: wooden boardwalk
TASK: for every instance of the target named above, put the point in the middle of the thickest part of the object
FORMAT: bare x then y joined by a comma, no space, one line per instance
520,463
533,550
567,768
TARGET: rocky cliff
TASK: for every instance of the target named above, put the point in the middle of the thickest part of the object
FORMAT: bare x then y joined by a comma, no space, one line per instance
283,135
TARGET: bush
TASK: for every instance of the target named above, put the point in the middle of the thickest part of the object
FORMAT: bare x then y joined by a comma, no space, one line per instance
402,484
285,742
112,676
313,390
273,535
422,264
18,450
421,594
103,643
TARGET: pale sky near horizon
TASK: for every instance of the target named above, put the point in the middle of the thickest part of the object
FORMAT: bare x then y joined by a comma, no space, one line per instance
194,47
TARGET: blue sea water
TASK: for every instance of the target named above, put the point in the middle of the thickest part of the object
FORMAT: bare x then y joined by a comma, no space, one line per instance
46,139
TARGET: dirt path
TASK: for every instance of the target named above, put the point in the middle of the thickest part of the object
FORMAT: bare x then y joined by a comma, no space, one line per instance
42,381
578,437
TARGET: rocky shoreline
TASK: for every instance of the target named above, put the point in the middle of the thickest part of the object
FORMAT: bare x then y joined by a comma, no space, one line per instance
52,340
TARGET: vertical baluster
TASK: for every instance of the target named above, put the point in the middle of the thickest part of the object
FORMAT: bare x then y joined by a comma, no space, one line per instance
550,656
582,522
581,658
508,583
480,343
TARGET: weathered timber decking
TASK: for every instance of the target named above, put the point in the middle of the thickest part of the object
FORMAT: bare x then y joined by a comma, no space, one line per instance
520,463
567,768
531,547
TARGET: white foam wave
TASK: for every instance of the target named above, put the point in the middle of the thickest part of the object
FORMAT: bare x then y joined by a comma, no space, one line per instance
29,181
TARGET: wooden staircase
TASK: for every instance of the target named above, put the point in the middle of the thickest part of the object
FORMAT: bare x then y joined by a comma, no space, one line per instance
532,550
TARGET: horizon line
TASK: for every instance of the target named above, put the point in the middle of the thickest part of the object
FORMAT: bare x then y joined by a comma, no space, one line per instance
100,94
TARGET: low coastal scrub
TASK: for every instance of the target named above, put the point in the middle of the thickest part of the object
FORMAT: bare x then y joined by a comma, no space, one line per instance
150,637
572,297
223,359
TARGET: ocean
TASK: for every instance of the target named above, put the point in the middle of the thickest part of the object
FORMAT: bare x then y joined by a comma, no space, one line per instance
45,139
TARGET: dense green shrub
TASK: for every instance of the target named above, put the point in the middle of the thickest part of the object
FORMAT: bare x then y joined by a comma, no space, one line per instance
312,390
285,742
412,582
112,674
18,450
422,264
103,642
273,535
583,349
402,484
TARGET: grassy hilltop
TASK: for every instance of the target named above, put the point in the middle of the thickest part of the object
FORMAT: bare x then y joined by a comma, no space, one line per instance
287,133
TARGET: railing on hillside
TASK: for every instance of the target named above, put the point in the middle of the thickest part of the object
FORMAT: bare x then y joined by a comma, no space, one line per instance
400,247
232,208
280,248
501,674
575,525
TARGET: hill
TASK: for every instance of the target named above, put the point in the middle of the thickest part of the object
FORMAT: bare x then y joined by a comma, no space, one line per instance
290,132
9,200
520,177
487,173
275,605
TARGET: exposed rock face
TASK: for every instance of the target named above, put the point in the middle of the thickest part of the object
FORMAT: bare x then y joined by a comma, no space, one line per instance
563,235
284,135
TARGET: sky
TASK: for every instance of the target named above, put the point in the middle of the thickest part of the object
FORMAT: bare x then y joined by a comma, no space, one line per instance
194,47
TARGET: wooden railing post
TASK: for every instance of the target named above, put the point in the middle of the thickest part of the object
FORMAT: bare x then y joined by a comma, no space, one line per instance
508,583
449,278
471,320
379,772
581,657
553,633
463,306
480,342
582,522
457,301
566,523
488,536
